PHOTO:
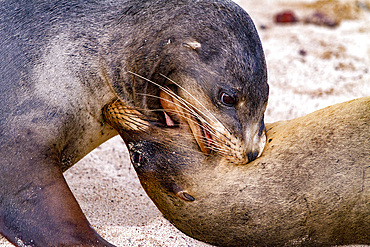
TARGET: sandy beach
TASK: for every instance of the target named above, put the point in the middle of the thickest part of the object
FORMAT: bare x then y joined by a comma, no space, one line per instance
310,67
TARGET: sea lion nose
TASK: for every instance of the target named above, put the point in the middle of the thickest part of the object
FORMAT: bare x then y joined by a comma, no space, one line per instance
252,156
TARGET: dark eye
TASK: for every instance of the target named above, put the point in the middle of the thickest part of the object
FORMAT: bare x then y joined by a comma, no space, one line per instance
227,99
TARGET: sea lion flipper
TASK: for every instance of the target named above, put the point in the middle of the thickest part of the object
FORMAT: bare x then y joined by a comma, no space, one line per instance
37,208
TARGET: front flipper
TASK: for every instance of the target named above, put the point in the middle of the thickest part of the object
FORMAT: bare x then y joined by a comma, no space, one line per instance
37,207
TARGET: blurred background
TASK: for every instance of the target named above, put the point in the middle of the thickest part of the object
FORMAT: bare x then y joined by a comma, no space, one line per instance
320,58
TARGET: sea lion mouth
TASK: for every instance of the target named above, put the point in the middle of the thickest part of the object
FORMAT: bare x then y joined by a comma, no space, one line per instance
174,111
201,133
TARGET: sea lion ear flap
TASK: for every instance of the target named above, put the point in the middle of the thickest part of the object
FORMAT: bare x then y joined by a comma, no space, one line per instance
194,45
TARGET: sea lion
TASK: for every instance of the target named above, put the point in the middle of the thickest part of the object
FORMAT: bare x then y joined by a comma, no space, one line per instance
310,187
63,62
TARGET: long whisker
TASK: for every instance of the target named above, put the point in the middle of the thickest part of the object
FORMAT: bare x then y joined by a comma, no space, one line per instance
221,150
191,111
191,96
197,102
170,92
129,120
197,115
217,142
210,128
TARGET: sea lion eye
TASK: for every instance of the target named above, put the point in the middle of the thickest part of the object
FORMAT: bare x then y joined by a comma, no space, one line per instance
227,99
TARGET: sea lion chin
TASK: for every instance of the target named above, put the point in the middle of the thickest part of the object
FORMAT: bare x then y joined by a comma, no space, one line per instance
310,187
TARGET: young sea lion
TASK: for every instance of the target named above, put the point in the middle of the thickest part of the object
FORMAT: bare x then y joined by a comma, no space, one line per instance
310,187
62,62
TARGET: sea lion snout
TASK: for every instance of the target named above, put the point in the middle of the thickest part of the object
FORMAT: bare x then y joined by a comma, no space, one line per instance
258,142
252,156
261,139
249,147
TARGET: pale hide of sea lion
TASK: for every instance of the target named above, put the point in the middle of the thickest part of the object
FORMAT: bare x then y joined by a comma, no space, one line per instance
311,186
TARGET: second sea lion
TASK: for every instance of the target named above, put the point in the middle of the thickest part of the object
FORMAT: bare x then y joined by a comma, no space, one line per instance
311,186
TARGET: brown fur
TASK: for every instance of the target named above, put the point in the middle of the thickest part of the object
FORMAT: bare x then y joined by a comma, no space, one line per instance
311,186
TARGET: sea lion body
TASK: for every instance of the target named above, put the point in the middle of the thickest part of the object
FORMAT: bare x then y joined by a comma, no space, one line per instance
63,62
310,187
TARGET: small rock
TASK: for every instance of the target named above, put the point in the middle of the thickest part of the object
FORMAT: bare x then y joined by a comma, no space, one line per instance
321,19
263,27
302,52
286,17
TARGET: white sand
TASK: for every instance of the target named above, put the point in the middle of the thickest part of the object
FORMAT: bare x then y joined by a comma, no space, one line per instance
335,69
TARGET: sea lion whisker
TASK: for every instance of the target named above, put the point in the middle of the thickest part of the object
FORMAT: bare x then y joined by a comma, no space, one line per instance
200,117
214,145
214,130
165,89
221,144
126,120
138,124
204,124
171,93
190,96
184,104
140,127
220,147
187,108
194,110
217,146
126,115
191,109
179,105
132,118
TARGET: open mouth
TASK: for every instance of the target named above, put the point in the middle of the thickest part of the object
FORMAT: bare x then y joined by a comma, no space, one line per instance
174,112
201,131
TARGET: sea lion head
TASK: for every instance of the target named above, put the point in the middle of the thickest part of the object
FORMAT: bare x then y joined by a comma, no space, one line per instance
200,62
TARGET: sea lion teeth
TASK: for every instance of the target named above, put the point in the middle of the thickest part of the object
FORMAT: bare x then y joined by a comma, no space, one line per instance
173,105
169,120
